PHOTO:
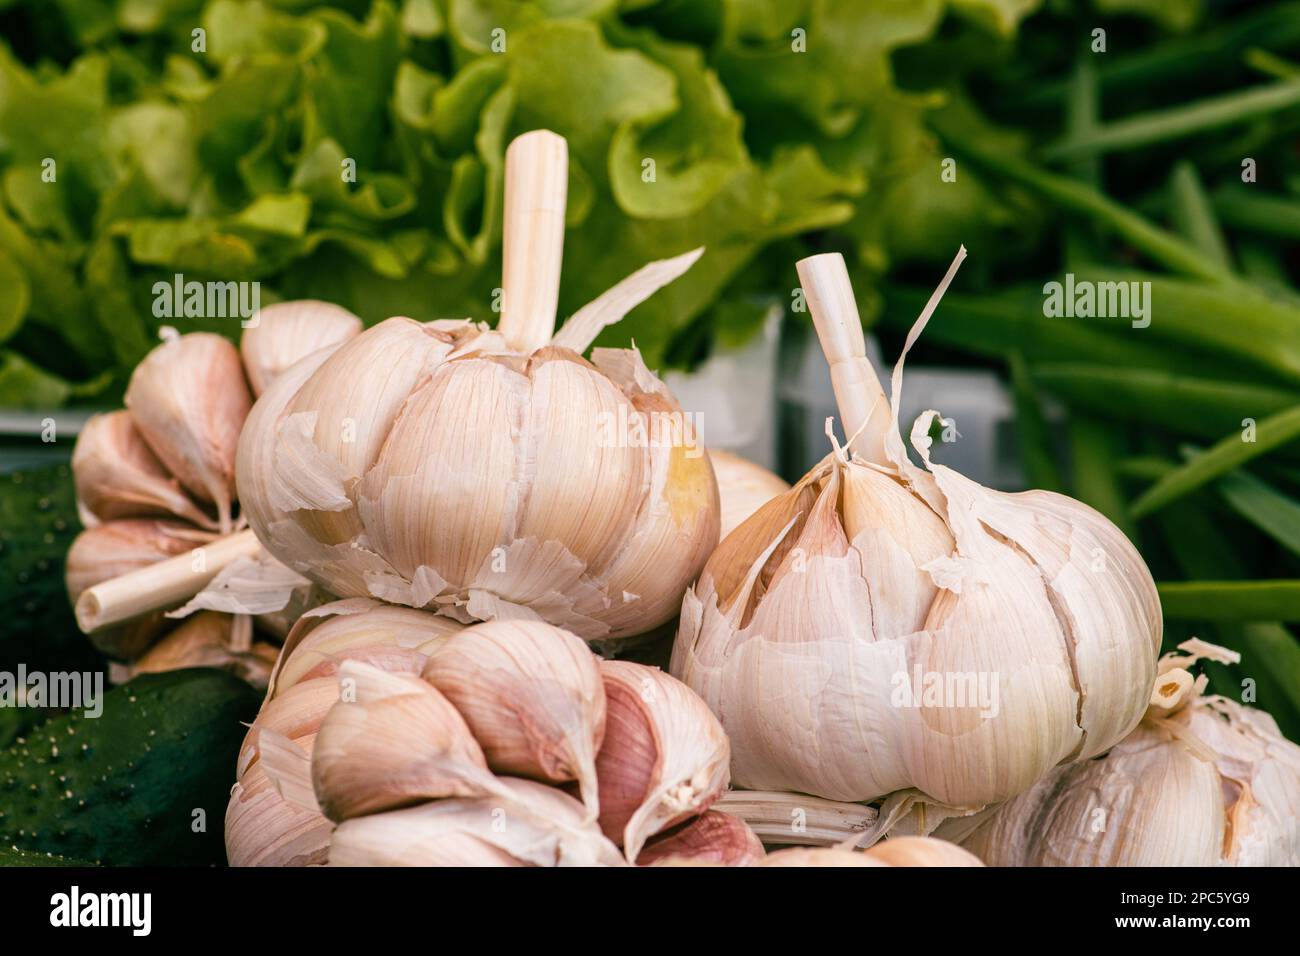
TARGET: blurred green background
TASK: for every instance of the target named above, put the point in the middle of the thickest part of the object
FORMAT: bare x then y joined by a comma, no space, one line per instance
1145,140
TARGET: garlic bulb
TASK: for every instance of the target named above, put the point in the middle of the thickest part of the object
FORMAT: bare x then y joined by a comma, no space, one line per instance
1202,781
532,694
286,331
114,548
883,628
487,474
712,837
898,851
743,487
188,398
118,476
664,758
187,402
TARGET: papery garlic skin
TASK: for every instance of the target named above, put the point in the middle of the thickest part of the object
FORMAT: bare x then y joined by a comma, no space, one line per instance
188,398
664,759
531,694
204,640
481,483
535,825
820,627
286,331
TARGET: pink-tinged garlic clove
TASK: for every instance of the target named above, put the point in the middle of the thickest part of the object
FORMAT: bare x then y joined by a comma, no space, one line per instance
189,399
285,332
533,697
712,837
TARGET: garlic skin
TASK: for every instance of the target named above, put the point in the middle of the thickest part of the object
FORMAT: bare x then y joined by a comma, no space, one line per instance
712,837
743,487
287,331
821,627
1202,781
532,696
534,825
664,758
118,476
204,640
189,399
115,548
480,483
399,742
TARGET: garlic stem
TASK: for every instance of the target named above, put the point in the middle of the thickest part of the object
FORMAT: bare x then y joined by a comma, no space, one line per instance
864,409
163,585
797,819
537,188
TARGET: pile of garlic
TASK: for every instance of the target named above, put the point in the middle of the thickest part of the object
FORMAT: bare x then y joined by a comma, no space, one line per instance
884,630
1201,781
157,479
505,743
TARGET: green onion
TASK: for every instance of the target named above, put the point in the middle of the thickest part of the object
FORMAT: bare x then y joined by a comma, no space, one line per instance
1193,214
1274,513
1229,453
1162,125
1231,600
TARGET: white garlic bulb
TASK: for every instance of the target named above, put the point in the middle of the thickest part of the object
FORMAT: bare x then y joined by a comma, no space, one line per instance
487,474
1202,781
898,851
883,628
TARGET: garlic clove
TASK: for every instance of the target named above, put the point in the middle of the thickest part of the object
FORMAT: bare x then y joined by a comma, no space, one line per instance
118,475
296,714
533,697
664,758
712,837
394,639
393,740
333,427
530,825
189,399
263,829
743,487
204,641
287,331
115,548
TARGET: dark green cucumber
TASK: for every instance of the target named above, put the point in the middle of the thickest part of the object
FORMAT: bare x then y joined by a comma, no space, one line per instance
12,856
38,520
144,783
